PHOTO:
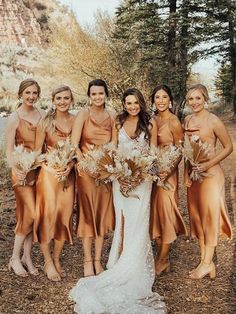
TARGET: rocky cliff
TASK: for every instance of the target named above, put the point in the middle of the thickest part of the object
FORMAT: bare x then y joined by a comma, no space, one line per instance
23,22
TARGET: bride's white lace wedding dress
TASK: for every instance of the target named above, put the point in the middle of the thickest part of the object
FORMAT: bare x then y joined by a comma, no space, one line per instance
126,287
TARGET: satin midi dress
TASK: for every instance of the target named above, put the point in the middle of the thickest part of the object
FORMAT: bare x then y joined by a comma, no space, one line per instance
54,204
206,200
95,203
25,195
166,221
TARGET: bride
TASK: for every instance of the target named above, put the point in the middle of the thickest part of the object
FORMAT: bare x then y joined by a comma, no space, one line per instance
126,287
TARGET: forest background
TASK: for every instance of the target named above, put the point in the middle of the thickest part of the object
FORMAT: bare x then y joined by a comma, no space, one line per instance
143,44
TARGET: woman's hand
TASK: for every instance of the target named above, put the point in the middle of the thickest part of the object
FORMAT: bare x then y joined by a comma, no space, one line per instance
49,169
93,175
202,167
65,172
163,175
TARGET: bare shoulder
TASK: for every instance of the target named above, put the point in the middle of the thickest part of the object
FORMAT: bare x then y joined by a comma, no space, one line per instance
215,120
42,112
186,119
13,119
174,122
112,113
82,114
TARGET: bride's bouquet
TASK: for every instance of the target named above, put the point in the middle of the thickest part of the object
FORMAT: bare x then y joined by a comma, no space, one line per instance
134,165
24,161
59,157
166,159
195,152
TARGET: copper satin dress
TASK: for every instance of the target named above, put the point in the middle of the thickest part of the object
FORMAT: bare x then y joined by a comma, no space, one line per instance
54,206
206,201
96,212
166,221
25,195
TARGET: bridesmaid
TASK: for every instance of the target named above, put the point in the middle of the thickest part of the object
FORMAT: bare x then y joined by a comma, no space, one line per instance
21,130
54,205
93,127
206,200
166,222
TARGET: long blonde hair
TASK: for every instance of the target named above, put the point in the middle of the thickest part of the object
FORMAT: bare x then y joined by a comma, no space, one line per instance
25,84
48,122
202,88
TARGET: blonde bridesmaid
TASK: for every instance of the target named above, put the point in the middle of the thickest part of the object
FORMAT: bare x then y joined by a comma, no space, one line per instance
54,203
21,130
93,127
166,222
206,201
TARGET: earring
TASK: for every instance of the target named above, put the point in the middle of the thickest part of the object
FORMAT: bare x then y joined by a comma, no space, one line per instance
124,109
170,105
206,105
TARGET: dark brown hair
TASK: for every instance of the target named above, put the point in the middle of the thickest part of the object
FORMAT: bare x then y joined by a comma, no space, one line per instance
144,117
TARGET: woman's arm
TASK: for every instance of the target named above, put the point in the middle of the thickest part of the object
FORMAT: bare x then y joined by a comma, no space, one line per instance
114,136
77,131
222,134
153,131
177,132
12,124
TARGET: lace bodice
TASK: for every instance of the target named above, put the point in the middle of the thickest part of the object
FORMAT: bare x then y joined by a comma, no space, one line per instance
139,142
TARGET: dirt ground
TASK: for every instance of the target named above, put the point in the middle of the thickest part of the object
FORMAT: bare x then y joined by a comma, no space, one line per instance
38,295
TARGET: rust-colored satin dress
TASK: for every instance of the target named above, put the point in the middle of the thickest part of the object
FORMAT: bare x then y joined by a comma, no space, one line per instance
96,212
25,195
166,221
54,206
206,201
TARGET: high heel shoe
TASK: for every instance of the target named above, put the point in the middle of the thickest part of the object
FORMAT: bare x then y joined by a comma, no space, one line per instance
98,262
162,266
59,269
90,271
50,271
30,268
16,266
203,270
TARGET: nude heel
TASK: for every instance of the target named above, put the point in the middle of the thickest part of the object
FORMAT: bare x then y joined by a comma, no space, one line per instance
212,273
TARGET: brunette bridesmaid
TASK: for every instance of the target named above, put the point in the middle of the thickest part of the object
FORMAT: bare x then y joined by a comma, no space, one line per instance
54,203
21,130
166,222
206,200
93,127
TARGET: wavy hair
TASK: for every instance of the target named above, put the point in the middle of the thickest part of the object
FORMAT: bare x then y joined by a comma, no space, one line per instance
48,122
144,117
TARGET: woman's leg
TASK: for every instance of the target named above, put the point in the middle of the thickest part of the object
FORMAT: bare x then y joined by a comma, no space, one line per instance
207,266
163,264
15,262
88,260
98,253
58,246
26,258
49,267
